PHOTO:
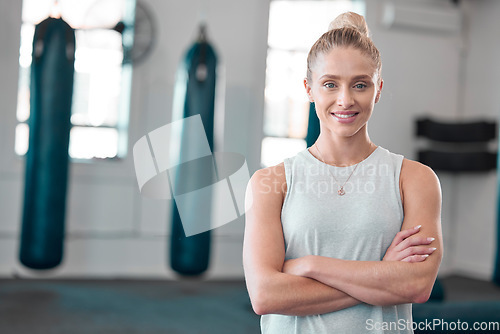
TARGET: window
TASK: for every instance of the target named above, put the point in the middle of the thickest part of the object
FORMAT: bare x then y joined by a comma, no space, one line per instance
294,26
101,88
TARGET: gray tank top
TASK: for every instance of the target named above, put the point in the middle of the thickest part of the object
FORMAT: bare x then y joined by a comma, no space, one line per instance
359,225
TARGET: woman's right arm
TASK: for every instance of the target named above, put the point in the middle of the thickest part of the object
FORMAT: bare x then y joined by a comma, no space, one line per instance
271,290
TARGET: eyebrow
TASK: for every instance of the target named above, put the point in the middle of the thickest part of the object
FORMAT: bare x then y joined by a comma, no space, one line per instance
336,77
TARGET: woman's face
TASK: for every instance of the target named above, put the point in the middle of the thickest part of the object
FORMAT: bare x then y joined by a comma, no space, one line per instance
344,87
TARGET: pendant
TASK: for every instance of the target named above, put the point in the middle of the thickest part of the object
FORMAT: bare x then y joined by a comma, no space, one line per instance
341,191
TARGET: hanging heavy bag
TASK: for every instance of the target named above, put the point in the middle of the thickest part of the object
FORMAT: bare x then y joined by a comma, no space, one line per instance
496,272
196,83
313,128
51,91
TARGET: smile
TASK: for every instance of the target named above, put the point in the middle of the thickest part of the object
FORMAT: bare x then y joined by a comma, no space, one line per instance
344,115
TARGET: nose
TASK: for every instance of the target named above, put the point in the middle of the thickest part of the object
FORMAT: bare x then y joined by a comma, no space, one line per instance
345,98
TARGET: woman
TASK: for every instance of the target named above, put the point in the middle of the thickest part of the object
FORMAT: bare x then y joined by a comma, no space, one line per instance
344,236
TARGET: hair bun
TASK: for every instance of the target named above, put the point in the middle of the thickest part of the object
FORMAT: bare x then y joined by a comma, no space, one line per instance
350,20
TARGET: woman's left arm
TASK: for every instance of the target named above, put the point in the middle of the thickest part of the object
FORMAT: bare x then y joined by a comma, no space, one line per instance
390,282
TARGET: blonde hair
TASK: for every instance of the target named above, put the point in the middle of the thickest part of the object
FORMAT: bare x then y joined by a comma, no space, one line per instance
347,30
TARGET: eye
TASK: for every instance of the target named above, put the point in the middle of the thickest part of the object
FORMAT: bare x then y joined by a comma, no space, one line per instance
360,86
329,85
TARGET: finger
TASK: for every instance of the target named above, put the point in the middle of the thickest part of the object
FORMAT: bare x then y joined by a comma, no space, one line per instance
416,250
402,235
415,258
414,241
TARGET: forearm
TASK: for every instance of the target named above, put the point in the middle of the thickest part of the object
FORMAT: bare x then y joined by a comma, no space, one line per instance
281,293
375,282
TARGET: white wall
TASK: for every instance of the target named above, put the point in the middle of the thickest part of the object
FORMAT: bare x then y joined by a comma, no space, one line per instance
10,178
476,196
113,231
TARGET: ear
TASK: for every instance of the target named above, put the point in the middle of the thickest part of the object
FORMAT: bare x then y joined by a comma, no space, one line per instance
379,90
308,90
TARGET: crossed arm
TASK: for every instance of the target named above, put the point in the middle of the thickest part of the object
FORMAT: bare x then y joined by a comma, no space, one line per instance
316,284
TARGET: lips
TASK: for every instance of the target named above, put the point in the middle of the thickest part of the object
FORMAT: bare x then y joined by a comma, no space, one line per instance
345,116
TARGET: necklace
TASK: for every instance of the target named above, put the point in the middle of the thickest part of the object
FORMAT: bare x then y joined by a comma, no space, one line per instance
341,190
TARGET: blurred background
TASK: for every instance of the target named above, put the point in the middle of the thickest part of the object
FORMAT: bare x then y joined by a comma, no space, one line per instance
439,61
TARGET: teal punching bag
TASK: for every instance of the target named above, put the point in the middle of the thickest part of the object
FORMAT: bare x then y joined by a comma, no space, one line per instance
313,127
195,93
496,272
51,90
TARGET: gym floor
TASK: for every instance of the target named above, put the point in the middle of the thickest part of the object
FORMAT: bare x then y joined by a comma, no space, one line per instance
147,307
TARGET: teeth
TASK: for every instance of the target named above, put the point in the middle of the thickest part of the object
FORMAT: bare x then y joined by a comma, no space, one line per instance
344,116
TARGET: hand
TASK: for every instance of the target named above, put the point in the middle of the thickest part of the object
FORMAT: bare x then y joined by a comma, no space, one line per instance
406,249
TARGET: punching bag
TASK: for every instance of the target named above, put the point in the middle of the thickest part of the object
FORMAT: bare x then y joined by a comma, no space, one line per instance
195,95
313,128
496,273
51,90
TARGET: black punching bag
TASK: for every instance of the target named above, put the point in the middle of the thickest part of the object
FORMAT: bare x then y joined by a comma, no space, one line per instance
51,91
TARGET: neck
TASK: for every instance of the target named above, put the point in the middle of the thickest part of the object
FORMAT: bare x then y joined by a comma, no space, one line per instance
343,151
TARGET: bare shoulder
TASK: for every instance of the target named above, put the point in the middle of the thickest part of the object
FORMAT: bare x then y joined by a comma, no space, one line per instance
415,170
270,179
418,178
277,171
